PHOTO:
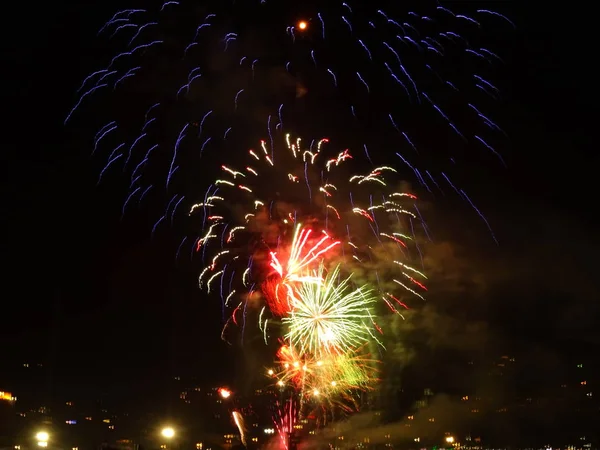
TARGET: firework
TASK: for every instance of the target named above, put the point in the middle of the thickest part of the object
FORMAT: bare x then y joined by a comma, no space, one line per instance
188,82
224,393
279,288
239,423
284,419
269,226
314,241
303,237
329,317
332,376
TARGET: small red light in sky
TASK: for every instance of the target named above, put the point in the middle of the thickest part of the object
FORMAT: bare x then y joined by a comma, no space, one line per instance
302,25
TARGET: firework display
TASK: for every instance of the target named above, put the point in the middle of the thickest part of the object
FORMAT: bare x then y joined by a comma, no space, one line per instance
286,240
317,239
189,81
320,251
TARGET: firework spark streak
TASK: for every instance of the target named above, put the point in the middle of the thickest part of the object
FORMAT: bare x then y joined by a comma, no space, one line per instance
239,423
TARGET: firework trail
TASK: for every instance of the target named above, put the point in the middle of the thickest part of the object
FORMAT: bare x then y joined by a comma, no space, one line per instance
241,426
412,88
284,418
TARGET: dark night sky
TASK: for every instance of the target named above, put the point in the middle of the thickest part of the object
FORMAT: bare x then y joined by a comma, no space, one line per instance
88,293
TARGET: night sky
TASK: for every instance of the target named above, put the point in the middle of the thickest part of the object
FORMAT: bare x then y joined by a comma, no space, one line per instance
102,304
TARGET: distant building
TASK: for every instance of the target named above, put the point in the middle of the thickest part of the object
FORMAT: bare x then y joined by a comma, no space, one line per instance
7,418
518,401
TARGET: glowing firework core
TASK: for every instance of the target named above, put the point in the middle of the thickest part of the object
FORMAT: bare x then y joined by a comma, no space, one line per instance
224,393
328,318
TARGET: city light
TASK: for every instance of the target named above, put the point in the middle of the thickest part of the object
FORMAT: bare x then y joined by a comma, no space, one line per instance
42,436
168,432
7,396
450,439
